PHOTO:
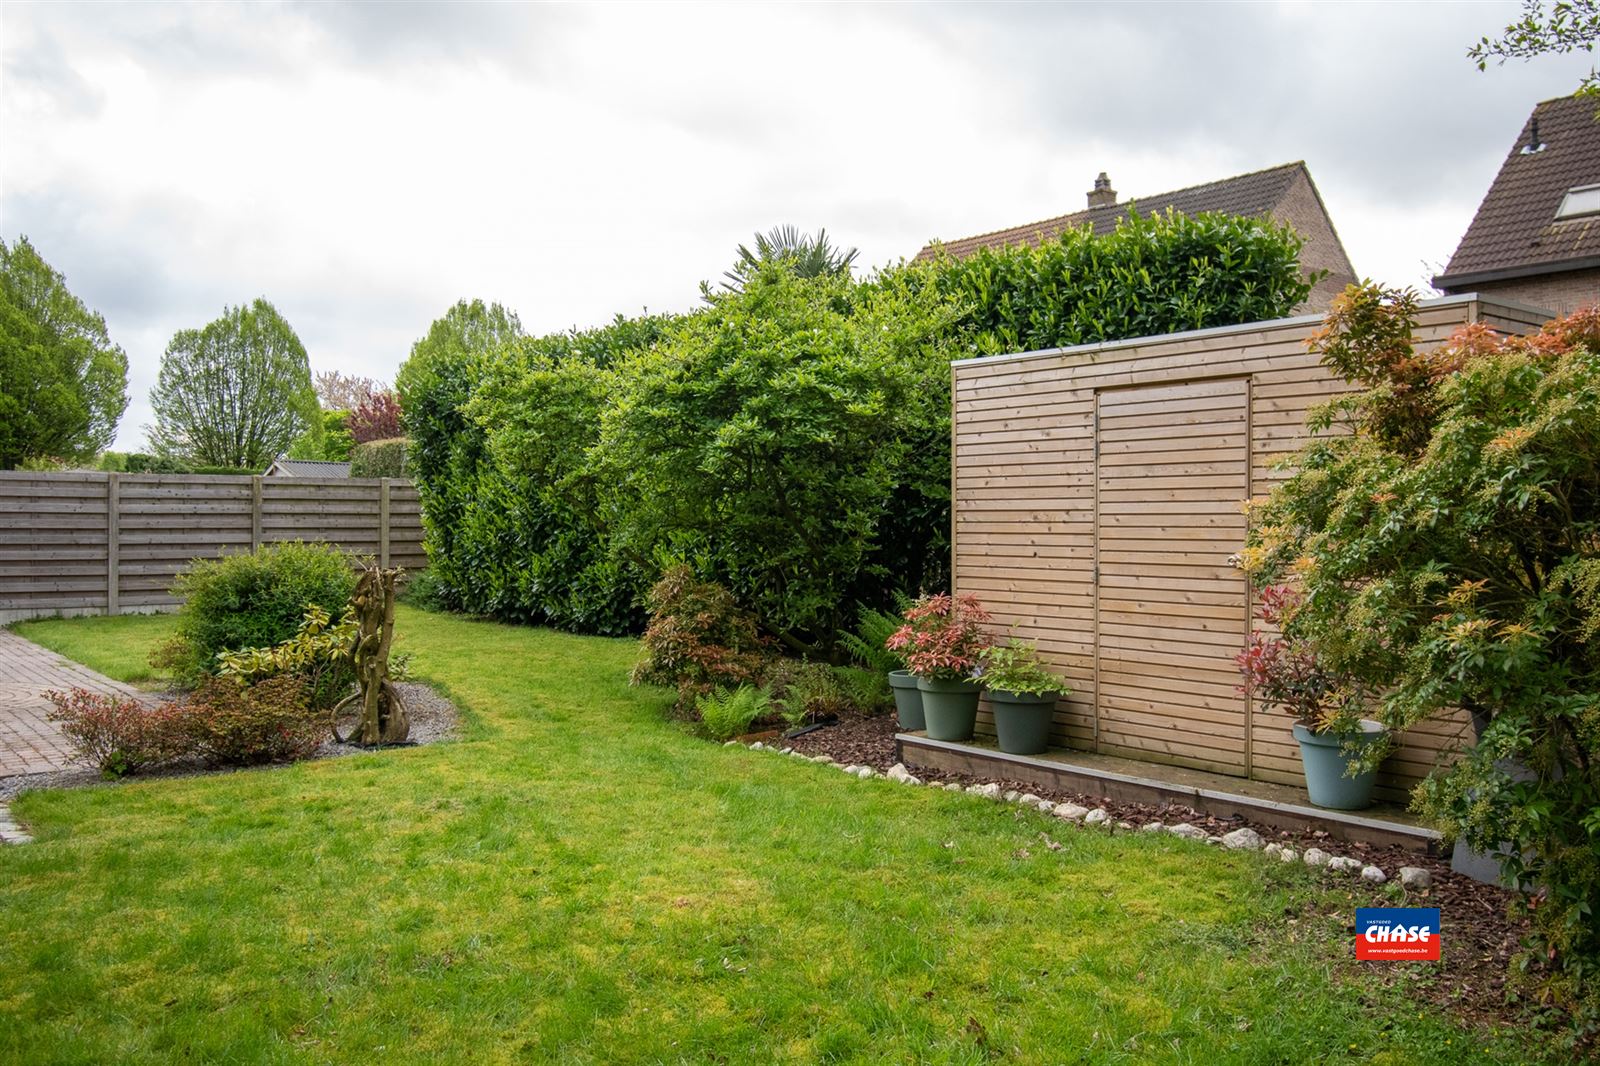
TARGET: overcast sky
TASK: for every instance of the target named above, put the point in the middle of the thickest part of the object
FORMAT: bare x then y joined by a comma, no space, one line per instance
365,166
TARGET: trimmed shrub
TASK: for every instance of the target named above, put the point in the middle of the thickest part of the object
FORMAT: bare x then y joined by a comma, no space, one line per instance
230,724
120,736
379,458
252,600
500,426
698,640
1153,274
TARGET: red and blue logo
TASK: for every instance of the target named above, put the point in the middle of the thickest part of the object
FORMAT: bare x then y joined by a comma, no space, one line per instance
1396,934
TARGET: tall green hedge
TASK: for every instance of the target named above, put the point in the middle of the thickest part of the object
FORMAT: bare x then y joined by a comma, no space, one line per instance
514,527
379,458
1152,275
790,440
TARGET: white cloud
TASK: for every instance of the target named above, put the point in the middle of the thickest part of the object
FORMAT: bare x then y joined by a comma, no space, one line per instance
364,166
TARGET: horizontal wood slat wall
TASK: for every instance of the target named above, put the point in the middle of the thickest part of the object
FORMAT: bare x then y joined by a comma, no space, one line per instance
1086,485
98,543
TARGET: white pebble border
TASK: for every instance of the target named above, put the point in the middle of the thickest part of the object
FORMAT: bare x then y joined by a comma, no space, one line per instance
1242,839
10,831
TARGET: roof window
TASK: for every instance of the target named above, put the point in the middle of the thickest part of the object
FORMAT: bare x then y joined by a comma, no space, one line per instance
1582,200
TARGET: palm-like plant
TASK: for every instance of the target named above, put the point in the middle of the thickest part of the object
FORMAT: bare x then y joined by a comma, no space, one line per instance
808,255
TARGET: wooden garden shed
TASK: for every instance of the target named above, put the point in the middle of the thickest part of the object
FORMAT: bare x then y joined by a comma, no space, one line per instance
1097,496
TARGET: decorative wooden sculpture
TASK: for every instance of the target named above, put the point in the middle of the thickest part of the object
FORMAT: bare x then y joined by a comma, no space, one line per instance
384,718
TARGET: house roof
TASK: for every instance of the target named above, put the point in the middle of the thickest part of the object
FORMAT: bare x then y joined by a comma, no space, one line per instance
1247,195
308,468
1515,231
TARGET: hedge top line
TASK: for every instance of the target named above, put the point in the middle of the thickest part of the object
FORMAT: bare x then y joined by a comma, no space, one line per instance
1242,328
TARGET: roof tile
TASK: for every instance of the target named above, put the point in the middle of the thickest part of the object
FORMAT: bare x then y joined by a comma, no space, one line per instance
1516,224
1246,195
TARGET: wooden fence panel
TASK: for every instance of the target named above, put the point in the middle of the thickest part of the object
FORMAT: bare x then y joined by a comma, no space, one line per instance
98,543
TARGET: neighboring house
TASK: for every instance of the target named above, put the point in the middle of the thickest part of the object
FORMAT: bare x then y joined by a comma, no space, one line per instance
1285,194
307,468
1536,236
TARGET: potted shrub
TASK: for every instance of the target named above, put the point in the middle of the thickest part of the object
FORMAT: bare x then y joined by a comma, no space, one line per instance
1339,749
942,640
1022,693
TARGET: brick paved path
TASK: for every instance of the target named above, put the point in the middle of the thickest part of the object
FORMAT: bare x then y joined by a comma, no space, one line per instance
30,743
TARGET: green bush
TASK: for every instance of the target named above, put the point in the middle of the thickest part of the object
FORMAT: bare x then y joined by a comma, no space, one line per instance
320,654
728,713
805,691
252,600
499,425
768,435
867,690
423,591
379,458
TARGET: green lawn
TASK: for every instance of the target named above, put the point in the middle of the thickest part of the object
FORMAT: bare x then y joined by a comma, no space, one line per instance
580,881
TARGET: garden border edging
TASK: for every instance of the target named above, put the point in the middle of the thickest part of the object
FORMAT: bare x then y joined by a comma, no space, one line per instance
923,753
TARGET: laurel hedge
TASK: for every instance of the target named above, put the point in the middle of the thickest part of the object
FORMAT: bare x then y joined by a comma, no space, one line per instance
790,440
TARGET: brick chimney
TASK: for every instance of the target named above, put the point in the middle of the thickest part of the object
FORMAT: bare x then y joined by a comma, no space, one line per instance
1102,195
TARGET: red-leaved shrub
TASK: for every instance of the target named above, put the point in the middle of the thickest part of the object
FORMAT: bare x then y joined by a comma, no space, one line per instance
120,735
375,418
698,639
271,721
943,637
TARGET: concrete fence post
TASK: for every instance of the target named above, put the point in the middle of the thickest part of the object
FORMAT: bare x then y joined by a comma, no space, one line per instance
255,512
383,522
113,543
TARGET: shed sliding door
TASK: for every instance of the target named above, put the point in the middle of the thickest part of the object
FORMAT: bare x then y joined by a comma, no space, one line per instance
1171,467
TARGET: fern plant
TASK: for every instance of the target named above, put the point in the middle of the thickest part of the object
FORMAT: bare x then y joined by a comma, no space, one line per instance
867,645
727,713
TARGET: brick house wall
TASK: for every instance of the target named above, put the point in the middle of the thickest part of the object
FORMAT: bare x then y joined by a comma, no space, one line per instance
1561,293
1303,209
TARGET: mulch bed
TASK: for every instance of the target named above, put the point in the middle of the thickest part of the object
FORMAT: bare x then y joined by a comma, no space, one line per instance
1479,936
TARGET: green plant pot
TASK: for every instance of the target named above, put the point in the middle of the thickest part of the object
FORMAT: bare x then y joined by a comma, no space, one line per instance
907,700
949,708
1326,781
1022,720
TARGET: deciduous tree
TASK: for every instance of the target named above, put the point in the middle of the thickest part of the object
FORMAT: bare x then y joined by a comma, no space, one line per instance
63,384
342,392
1556,29
234,393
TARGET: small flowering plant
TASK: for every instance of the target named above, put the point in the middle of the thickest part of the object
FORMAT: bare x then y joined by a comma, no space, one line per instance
1288,672
1015,666
943,638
